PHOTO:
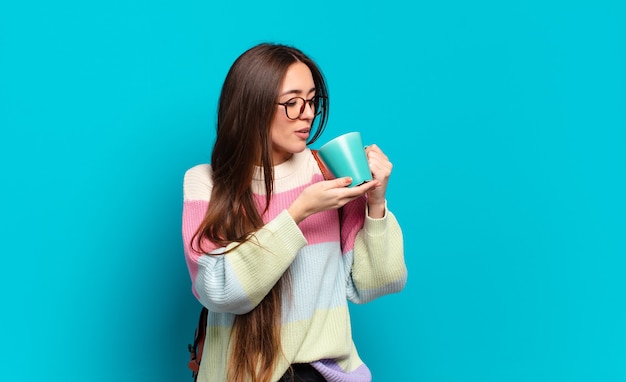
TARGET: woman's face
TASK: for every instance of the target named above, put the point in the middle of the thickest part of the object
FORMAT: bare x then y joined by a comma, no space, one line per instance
289,136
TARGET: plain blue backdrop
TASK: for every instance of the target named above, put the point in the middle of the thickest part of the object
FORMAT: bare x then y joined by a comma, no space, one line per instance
505,121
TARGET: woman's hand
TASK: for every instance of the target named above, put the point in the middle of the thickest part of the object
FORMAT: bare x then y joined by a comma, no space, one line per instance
380,166
327,195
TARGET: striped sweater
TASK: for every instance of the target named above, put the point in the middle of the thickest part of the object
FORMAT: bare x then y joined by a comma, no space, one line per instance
332,258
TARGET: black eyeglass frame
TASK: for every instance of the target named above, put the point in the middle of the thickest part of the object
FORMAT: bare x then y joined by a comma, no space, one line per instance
310,102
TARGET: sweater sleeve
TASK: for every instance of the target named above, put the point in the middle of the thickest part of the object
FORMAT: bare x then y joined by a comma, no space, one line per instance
237,281
373,253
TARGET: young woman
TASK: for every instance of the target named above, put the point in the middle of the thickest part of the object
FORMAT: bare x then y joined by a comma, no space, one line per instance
274,251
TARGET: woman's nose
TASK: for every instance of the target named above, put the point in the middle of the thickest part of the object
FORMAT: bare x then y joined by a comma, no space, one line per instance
308,112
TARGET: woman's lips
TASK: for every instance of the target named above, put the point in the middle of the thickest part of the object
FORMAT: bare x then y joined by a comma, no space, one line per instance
303,134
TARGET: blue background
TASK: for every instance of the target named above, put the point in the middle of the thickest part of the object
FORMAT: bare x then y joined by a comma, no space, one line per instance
505,122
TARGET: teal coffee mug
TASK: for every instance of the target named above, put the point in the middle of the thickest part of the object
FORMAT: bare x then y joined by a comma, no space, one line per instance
345,156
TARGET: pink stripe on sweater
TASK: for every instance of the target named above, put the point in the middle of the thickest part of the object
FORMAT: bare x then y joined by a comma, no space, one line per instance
352,219
322,227
352,215
193,214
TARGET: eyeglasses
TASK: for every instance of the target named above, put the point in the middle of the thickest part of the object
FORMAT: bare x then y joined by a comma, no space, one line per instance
294,107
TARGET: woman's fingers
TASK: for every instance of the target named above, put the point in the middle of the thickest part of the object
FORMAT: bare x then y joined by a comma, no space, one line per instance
379,162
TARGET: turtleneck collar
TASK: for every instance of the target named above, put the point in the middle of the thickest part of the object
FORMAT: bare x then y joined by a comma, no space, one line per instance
283,170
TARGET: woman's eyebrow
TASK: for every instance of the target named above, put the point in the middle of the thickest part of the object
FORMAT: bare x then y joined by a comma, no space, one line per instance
296,92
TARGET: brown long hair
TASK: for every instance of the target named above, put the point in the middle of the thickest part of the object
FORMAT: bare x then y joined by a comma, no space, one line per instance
246,109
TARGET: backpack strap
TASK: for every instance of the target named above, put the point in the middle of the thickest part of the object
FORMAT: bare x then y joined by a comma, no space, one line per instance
327,175
196,349
325,171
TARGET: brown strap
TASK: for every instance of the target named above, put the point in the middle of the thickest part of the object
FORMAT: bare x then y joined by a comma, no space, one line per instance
195,350
325,171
